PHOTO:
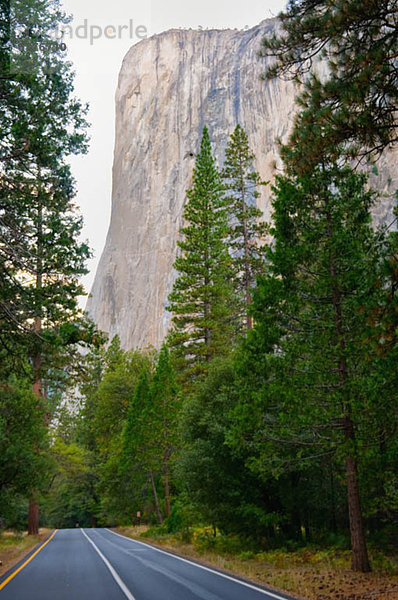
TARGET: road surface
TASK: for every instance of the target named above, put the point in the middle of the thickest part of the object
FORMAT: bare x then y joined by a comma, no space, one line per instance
98,564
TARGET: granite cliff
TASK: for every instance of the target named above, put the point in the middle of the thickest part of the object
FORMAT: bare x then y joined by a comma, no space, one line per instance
170,85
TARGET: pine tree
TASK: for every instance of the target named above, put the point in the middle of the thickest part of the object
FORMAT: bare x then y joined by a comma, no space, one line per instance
41,125
140,453
108,391
322,388
150,433
201,297
41,257
246,231
164,415
353,109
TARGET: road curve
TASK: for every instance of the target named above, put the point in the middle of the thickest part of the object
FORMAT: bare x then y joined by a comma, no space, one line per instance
99,564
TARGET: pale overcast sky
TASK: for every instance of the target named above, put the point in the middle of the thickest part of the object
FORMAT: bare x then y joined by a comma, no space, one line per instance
97,63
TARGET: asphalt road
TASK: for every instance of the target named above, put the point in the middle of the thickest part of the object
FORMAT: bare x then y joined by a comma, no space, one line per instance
98,564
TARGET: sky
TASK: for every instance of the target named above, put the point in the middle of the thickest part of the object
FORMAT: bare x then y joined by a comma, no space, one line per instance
100,35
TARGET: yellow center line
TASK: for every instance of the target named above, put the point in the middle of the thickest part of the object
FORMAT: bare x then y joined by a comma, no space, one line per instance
27,561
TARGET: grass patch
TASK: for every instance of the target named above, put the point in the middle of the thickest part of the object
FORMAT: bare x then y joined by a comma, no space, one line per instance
311,573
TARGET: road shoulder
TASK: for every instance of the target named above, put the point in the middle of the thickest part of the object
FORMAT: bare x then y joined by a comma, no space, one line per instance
13,554
215,565
298,574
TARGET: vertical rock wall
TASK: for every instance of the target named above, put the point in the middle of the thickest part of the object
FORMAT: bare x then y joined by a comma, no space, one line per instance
170,86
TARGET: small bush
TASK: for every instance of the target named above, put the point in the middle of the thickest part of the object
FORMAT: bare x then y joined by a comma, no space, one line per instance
383,564
247,555
230,545
180,521
156,532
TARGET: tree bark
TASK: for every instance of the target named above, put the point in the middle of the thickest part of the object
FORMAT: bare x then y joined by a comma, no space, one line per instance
360,560
167,490
207,332
155,497
248,276
207,305
33,519
33,516
37,360
166,454
207,309
333,502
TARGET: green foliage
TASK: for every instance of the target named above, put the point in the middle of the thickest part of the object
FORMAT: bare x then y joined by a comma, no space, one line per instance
14,509
183,517
324,244
108,395
165,403
318,398
156,532
163,419
150,436
41,124
23,444
202,294
216,481
114,391
351,111
41,254
138,444
247,232
70,498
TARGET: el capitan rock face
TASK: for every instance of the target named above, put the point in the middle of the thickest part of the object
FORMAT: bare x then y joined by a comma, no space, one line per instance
170,85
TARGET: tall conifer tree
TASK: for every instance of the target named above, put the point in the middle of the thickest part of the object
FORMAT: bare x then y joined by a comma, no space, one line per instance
41,257
241,183
140,453
323,392
201,297
165,412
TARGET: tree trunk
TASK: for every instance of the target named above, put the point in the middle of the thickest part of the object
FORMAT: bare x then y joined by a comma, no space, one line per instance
207,309
33,520
207,305
166,467
360,560
37,359
167,490
248,276
33,517
155,497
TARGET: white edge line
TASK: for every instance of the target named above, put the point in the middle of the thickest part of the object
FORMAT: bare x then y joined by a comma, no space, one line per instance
115,576
190,562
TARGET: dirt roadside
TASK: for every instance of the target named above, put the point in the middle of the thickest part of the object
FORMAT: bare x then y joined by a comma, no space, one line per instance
14,548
